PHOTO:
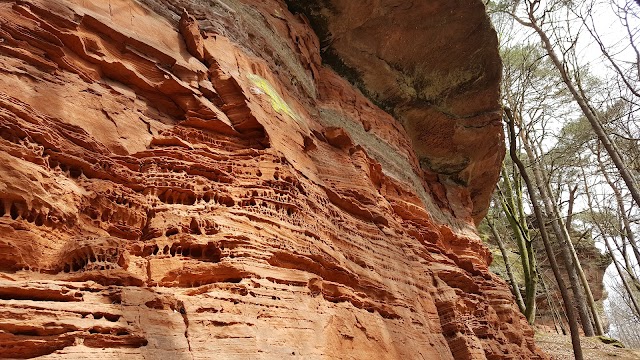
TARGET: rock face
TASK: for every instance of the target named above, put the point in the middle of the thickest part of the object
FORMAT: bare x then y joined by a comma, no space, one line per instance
550,315
550,310
185,179
434,66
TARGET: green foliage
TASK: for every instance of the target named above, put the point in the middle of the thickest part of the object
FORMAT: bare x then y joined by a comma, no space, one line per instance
502,6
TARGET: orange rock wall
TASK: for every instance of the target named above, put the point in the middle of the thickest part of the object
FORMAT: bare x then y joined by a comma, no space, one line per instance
182,185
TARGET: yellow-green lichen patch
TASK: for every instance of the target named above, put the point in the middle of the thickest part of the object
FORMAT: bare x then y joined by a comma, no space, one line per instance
277,103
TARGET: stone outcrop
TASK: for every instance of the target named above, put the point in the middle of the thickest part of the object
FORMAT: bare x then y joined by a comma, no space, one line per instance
434,66
550,315
550,312
186,179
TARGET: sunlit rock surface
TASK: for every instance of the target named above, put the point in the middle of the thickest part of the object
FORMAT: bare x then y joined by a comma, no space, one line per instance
186,179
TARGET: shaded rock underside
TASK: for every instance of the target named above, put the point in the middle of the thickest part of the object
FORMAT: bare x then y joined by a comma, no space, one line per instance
434,66
176,185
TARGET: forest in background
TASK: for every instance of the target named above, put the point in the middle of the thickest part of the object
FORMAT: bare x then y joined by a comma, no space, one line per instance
568,198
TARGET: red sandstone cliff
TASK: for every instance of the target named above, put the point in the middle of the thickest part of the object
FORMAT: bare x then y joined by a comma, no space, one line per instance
196,184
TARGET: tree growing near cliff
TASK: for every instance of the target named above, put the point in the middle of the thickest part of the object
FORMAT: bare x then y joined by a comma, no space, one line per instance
559,30
550,86
609,209
542,18
535,202
533,97
511,201
623,319
515,287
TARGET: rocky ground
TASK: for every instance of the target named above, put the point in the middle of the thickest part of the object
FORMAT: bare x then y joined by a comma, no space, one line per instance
559,347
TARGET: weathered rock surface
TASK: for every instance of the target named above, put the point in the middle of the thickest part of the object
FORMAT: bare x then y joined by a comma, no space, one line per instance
433,65
550,310
550,315
196,184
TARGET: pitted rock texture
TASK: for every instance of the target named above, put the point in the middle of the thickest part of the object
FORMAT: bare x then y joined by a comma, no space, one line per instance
185,179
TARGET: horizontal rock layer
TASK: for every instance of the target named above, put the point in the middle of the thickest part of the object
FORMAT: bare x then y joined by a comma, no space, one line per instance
181,178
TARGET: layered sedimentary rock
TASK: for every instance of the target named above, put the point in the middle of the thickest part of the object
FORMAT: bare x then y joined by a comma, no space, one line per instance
594,264
186,179
550,315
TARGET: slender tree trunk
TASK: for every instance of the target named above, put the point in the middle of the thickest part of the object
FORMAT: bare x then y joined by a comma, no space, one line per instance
622,249
518,225
572,199
507,265
557,318
572,263
622,277
532,284
562,229
613,257
508,207
535,202
625,219
591,116
628,233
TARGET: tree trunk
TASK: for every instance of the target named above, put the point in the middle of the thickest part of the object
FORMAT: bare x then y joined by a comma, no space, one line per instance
520,231
507,265
613,258
591,116
557,318
622,277
572,199
535,202
625,219
572,263
590,302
